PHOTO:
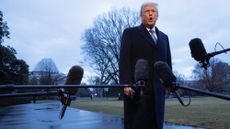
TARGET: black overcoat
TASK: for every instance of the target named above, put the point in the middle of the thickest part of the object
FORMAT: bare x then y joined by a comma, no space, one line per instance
143,111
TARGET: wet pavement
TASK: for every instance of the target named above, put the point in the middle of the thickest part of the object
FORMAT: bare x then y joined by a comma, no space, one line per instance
46,116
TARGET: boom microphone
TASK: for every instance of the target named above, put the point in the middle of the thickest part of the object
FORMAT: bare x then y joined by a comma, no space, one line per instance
165,73
140,76
74,77
141,71
169,80
198,51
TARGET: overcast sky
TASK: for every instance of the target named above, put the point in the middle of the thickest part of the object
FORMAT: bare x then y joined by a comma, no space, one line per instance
53,28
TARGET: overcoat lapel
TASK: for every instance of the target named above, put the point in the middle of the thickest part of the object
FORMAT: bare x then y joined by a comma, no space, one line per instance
145,34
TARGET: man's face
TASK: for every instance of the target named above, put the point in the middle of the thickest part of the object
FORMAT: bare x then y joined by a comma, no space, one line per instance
149,15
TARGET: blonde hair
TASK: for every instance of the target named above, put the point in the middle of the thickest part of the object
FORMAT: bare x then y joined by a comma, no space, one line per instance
148,3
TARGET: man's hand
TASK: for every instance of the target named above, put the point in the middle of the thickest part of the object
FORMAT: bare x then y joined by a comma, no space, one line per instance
128,91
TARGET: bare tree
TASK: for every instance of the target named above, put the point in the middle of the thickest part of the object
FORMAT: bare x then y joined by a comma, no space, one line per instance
215,78
102,43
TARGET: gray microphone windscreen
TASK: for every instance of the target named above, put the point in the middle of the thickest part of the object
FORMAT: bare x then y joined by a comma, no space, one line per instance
74,76
165,73
197,48
141,70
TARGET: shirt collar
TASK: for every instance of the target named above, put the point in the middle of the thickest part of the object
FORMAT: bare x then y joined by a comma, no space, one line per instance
154,29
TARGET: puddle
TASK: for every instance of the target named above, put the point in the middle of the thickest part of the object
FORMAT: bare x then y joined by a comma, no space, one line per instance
173,126
45,116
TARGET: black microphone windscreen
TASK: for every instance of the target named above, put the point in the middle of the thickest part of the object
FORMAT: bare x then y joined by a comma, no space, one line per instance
74,76
141,70
165,73
198,51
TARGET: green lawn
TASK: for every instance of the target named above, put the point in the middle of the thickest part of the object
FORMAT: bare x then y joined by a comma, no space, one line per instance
205,112
103,105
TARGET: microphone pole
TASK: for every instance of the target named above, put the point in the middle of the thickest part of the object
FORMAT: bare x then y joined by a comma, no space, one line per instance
205,60
217,95
209,55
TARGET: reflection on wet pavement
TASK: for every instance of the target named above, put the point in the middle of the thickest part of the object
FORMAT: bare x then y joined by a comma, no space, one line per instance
46,116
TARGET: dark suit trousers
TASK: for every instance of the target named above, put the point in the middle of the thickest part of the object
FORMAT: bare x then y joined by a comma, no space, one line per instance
139,112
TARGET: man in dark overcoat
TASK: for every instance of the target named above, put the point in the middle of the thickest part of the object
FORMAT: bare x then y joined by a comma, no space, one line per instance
146,42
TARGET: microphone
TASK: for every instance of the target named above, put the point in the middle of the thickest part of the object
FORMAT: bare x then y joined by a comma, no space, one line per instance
169,80
141,72
165,73
74,76
199,53
140,77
